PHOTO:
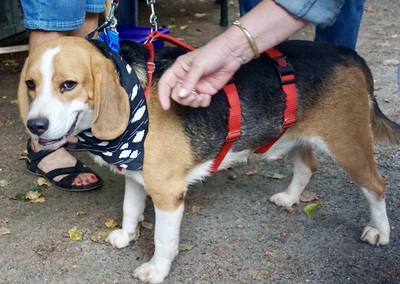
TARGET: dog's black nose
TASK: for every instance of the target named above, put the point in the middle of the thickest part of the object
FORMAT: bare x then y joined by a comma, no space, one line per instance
38,126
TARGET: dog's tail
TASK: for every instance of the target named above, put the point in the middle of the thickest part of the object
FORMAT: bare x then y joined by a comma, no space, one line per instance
383,128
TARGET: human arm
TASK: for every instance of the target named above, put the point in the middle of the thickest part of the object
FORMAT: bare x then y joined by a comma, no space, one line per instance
208,68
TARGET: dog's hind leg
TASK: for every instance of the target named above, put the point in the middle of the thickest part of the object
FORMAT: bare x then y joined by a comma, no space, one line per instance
304,166
355,155
134,203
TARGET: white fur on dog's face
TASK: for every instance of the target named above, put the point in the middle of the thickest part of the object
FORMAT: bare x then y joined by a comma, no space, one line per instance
70,84
66,117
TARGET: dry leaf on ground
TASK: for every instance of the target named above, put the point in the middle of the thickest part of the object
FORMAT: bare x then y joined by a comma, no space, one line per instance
184,247
147,225
251,173
308,196
101,236
391,62
4,231
111,223
257,275
4,182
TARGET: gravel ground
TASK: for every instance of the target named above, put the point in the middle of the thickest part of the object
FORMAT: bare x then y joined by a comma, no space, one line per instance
231,235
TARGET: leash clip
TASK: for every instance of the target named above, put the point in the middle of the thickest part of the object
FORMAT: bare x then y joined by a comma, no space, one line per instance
153,16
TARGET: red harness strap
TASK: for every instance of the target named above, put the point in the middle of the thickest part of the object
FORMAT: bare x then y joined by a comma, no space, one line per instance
234,124
288,81
286,75
150,47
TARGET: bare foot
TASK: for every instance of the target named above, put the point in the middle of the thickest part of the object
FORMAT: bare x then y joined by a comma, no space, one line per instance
61,158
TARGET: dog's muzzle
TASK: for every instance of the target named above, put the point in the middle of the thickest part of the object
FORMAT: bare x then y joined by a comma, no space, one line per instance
40,125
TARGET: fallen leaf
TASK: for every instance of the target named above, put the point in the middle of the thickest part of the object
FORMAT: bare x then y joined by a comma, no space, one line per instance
184,247
14,102
10,62
43,181
21,197
101,236
23,155
137,233
76,234
200,15
31,195
196,209
80,213
34,186
257,275
4,182
111,223
147,225
171,27
35,197
38,200
4,231
369,8
310,209
308,196
251,173
184,27
270,253
391,62
289,209
277,176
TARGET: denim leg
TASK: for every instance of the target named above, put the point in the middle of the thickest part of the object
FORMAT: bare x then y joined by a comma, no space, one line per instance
247,5
344,31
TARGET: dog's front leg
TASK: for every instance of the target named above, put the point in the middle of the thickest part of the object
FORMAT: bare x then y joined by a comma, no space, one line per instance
134,203
166,239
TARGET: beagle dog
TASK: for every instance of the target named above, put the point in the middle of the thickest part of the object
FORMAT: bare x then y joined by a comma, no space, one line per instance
70,85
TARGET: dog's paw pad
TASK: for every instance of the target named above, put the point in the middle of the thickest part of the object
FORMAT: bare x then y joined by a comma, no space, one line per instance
148,272
119,238
374,237
283,199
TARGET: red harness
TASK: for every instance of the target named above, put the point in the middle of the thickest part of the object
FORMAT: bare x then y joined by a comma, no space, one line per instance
288,81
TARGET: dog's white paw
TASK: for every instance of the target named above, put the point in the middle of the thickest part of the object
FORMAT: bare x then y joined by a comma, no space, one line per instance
119,238
374,236
283,199
148,272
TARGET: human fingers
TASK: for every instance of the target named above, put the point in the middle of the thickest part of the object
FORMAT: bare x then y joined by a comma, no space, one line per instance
194,99
165,85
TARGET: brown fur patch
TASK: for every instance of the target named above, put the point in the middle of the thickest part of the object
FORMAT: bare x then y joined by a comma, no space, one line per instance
343,122
167,156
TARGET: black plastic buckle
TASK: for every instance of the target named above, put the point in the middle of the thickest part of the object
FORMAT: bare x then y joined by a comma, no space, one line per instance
284,68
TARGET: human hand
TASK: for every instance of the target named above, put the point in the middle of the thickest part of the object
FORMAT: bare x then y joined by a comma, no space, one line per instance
197,75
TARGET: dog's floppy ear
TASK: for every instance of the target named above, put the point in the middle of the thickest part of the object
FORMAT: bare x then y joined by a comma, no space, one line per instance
23,98
111,104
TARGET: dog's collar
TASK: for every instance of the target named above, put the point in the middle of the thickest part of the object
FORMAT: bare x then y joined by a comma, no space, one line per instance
127,150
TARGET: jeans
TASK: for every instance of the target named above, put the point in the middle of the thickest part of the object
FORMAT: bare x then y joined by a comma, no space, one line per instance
344,31
58,15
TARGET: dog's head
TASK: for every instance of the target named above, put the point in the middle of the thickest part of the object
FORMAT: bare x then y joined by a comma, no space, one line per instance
68,86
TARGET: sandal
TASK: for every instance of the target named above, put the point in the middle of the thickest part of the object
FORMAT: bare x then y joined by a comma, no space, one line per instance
70,172
74,147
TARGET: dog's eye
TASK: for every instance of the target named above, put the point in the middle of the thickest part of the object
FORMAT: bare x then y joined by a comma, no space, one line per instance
30,84
68,86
